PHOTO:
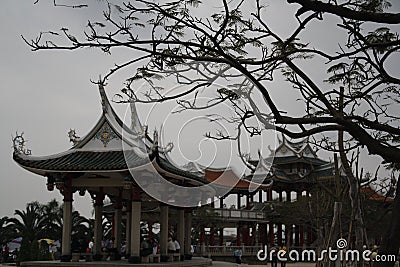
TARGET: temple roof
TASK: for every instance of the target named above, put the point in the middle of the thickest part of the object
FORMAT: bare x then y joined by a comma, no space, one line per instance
106,148
287,148
78,160
291,163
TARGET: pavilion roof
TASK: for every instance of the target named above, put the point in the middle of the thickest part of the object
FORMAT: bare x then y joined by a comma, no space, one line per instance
77,160
110,146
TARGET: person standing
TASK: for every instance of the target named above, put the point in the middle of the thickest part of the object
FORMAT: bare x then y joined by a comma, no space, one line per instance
171,245
177,246
90,246
238,255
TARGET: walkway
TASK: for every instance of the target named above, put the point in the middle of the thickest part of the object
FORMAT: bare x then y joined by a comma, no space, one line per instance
195,262
229,264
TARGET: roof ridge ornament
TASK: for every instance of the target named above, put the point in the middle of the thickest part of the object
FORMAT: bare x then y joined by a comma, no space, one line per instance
19,144
103,95
73,137
168,148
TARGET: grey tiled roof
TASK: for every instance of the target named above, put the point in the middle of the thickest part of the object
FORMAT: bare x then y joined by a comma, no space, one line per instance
82,161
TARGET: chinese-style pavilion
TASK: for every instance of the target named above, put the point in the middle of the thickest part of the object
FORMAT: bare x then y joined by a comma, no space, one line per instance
295,169
112,160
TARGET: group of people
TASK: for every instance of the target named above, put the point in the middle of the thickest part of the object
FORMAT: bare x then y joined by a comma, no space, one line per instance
273,252
148,246
5,253
173,245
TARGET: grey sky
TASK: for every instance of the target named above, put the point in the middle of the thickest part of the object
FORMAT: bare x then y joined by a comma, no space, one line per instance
44,94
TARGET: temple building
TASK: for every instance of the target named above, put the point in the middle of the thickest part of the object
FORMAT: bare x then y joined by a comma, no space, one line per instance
292,169
295,171
135,172
132,169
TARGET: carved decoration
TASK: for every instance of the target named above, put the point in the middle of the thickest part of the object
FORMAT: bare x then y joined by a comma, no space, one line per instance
105,134
19,144
73,137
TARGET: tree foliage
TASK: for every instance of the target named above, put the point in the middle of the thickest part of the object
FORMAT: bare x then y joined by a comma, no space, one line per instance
235,42
42,221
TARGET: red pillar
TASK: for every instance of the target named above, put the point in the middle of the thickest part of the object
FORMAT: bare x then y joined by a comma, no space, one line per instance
202,236
271,234
247,235
279,234
309,235
253,234
113,226
288,196
150,226
301,234
238,236
221,236
289,234
212,237
269,194
297,235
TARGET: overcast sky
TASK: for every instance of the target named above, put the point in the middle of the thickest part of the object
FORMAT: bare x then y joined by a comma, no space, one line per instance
44,94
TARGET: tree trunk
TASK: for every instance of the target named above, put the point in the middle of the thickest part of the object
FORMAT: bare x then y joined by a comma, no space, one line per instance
391,243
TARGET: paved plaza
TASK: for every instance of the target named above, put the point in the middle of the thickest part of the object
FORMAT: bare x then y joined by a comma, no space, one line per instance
226,264
170,264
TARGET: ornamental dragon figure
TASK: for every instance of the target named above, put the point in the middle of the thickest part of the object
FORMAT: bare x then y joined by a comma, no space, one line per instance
73,137
19,144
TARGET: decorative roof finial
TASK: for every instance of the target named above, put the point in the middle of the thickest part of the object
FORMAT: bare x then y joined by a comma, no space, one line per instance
155,138
19,144
102,94
73,137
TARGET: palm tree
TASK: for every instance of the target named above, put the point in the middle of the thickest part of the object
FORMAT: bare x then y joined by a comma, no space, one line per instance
52,219
7,232
80,227
30,225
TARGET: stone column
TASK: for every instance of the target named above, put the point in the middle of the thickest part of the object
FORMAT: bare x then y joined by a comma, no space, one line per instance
135,226
98,227
118,228
188,234
128,229
67,222
181,231
164,229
